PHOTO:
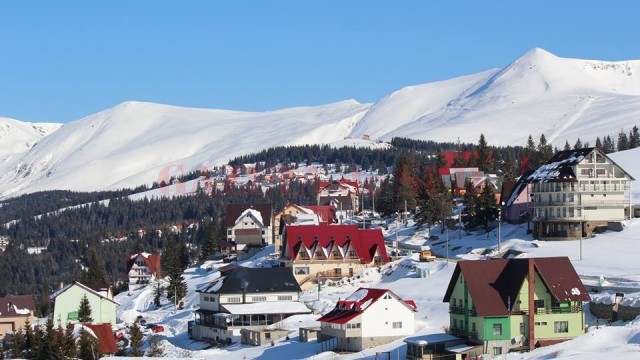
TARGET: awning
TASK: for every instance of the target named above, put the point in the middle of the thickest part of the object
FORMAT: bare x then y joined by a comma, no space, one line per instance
430,339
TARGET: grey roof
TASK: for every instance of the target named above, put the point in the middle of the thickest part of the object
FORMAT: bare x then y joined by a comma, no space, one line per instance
259,280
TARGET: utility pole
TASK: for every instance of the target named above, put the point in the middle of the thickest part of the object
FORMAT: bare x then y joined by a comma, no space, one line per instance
447,246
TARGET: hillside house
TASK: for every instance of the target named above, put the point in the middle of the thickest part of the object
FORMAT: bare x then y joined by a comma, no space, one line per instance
67,302
342,194
575,193
368,318
246,298
515,304
249,226
142,269
15,311
331,251
521,208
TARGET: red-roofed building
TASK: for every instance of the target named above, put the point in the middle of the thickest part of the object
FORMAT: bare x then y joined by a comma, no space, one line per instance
14,312
368,318
142,268
104,334
342,195
331,251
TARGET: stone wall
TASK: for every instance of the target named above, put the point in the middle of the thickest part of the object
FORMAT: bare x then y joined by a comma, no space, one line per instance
605,311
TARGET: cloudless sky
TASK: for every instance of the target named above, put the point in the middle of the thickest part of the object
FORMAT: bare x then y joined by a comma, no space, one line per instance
62,60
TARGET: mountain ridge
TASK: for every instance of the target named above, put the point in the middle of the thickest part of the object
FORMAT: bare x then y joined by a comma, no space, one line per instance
136,143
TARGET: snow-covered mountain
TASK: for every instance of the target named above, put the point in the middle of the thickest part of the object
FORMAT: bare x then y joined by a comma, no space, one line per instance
17,137
137,143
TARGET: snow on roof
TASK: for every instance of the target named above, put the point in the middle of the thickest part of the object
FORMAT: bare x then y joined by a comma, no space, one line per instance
270,307
254,213
459,348
21,311
430,339
358,295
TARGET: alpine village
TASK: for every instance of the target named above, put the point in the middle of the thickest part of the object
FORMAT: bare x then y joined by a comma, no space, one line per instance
323,250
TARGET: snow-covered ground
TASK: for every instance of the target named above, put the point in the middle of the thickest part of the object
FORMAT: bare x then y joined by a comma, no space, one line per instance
611,255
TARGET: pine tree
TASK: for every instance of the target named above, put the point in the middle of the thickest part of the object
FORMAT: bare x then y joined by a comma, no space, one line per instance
84,311
155,350
623,141
487,208
510,170
88,346
96,273
483,155
578,144
607,145
568,147
470,202
545,150
136,338
158,295
634,138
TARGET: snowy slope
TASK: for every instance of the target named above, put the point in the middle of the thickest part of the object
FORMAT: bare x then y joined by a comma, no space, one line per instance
17,137
137,143
538,93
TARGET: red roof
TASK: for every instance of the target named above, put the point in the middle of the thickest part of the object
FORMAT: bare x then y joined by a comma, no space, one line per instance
365,242
105,337
327,213
357,303
151,260
338,183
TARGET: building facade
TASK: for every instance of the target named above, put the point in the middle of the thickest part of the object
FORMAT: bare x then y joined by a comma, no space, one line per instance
142,269
575,193
67,302
15,311
331,251
249,225
368,318
246,298
515,304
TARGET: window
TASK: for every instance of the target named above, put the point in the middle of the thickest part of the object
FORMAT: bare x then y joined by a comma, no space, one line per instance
267,336
561,326
497,329
229,232
538,304
206,298
455,323
397,325
353,326
258,298
497,350
285,298
473,326
600,172
521,328
302,270
234,299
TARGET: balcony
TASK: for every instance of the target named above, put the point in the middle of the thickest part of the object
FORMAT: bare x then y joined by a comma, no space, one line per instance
458,310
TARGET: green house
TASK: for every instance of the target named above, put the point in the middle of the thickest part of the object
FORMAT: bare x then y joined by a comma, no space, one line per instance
67,303
515,304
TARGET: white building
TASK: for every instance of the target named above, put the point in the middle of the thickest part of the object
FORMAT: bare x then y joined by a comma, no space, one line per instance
249,225
246,298
142,269
368,318
576,192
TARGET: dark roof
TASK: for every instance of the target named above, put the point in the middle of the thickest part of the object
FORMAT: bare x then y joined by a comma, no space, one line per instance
235,210
365,242
259,280
9,304
493,283
347,309
105,337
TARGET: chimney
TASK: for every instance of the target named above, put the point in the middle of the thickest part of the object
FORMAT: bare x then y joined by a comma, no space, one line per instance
532,310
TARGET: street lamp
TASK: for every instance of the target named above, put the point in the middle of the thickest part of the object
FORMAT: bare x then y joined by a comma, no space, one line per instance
499,226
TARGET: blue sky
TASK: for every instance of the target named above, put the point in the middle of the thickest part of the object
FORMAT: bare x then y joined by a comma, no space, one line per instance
62,60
